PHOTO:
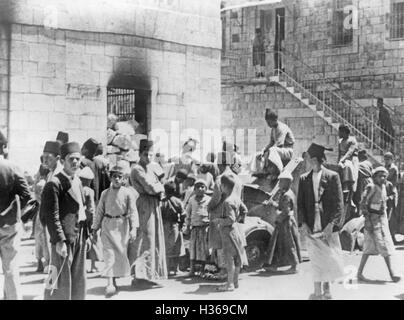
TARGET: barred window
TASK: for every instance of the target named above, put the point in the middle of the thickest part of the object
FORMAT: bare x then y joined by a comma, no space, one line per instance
397,20
341,35
235,38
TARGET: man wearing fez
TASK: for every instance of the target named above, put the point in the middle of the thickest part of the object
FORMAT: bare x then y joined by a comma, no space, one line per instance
50,161
90,150
62,137
14,194
150,253
282,139
63,207
321,214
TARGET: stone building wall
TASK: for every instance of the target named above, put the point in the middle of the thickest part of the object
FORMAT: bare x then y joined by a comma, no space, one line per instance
4,71
369,67
244,107
59,76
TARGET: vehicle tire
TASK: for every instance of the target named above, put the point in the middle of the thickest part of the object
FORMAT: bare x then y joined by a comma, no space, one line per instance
256,254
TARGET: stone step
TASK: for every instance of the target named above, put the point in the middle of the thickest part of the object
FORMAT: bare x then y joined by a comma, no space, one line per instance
274,78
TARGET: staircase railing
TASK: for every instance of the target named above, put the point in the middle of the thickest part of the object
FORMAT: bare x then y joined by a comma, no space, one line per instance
335,103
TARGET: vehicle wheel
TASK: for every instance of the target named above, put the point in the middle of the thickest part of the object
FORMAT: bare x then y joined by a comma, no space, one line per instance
255,251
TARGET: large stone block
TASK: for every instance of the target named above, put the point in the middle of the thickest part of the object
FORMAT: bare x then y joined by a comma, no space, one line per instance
38,102
35,85
78,61
29,33
101,63
46,70
38,52
54,86
57,54
19,83
94,47
30,68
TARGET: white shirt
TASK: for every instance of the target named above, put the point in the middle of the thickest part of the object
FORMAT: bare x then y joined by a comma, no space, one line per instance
316,189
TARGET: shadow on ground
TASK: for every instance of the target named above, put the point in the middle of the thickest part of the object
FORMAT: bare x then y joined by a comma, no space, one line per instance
205,289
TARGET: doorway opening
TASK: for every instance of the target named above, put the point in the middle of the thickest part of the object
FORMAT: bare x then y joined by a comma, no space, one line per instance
279,37
130,104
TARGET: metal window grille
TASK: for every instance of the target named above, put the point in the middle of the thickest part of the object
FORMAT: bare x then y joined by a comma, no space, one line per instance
397,20
121,102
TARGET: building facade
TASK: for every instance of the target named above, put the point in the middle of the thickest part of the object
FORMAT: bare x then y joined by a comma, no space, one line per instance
345,55
63,64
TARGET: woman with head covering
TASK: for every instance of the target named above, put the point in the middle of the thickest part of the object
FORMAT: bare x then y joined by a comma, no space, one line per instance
378,240
117,217
150,253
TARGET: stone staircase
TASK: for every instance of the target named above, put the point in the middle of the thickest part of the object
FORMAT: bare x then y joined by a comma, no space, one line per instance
335,110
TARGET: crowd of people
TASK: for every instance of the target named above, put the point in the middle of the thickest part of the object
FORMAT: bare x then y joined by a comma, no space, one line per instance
150,218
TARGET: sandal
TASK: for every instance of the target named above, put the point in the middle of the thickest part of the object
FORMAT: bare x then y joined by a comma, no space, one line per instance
110,291
225,288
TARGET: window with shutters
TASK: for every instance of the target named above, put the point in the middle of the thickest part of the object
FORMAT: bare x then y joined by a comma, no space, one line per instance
397,20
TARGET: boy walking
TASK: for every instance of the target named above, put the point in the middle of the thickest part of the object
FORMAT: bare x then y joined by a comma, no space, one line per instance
118,219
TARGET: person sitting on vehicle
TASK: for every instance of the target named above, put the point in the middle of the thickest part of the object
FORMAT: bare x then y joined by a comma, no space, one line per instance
282,139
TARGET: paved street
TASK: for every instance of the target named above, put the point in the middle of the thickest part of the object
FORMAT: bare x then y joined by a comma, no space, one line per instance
254,285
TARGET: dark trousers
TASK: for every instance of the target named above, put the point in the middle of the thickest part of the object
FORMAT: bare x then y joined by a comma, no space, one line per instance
71,284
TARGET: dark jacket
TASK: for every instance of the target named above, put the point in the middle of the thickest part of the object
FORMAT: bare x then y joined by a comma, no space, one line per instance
330,196
60,209
12,183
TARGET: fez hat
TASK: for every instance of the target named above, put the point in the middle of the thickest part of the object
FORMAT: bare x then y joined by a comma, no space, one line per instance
285,174
200,181
86,173
3,139
344,127
91,145
169,188
67,148
182,173
380,169
145,145
52,147
388,155
224,158
363,152
121,167
62,137
317,151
